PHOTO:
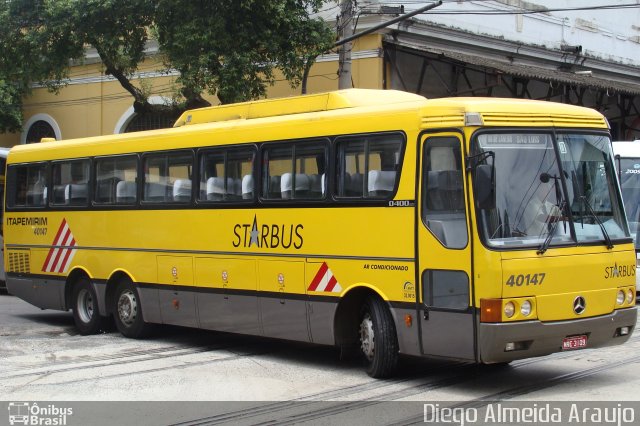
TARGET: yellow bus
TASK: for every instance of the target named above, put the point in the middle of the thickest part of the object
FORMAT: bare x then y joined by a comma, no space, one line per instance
485,230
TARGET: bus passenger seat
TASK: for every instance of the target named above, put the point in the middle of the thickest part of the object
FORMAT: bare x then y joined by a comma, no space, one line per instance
216,191
155,192
105,190
182,190
315,186
247,187
353,185
273,190
302,186
215,188
75,193
237,188
125,192
37,195
381,183
58,194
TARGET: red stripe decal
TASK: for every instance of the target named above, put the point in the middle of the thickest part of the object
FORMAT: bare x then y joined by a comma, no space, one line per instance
55,243
66,256
316,280
60,252
332,284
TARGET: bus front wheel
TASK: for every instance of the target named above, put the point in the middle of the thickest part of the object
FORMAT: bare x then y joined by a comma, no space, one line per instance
378,341
85,308
127,311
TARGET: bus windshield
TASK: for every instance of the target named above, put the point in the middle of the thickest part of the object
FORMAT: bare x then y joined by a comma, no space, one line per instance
630,184
551,189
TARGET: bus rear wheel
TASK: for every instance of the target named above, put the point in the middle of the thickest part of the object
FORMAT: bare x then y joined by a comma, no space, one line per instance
127,311
86,314
378,341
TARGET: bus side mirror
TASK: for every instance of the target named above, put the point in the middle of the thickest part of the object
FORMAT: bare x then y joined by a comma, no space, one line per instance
484,187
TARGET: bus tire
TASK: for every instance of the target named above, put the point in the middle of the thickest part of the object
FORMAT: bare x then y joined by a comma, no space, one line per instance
378,340
127,311
86,314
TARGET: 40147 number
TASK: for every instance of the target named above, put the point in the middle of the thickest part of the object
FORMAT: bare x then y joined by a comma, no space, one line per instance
528,279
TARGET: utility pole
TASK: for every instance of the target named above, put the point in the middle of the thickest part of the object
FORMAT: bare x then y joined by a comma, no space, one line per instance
345,31
346,36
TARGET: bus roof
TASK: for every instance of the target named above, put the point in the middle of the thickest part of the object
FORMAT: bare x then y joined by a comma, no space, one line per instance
312,110
510,112
349,98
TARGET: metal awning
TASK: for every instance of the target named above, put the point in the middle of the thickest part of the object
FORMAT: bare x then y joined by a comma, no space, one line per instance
551,75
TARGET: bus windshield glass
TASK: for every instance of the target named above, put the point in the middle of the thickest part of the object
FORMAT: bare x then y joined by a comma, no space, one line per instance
630,184
551,189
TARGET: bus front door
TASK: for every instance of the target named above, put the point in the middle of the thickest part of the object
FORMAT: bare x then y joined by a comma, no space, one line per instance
444,254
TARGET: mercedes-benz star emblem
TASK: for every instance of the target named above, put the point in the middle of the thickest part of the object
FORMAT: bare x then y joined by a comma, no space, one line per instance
579,305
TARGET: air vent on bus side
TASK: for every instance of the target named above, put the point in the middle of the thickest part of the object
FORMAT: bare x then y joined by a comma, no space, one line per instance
19,261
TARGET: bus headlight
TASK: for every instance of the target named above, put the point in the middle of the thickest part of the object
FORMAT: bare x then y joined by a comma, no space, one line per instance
620,297
509,309
525,308
630,295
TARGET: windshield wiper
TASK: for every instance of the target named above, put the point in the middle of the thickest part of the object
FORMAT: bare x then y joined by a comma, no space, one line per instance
552,230
607,239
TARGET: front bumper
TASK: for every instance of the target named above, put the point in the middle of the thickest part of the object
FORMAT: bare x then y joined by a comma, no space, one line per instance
535,338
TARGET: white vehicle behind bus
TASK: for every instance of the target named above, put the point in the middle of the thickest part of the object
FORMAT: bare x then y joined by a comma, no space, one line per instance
627,156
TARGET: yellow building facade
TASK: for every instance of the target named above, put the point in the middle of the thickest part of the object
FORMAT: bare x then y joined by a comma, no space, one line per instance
93,103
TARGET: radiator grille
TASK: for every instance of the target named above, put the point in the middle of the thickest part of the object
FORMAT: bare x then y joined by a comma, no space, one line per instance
19,261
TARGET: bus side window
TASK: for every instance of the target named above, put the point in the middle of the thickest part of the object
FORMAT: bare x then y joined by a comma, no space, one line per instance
167,178
116,180
70,183
368,166
443,191
226,175
27,186
294,170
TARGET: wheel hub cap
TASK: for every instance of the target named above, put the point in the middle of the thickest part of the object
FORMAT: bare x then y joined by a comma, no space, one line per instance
127,308
85,306
367,337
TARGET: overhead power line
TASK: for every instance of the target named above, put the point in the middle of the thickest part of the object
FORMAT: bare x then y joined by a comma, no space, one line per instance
521,11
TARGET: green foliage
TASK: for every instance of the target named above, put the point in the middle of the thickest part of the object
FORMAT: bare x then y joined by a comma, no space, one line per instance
39,39
117,29
231,48
17,69
10,107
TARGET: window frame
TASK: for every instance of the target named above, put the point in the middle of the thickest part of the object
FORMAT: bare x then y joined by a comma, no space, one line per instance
90,182
324,143
142,175
114,204
337,165
12,190
225,150
428,213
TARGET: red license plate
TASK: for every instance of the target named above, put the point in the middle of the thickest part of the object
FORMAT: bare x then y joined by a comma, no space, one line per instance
574,342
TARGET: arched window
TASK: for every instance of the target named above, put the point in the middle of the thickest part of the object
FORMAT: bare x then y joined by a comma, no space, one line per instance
130,121
151,121
38,130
